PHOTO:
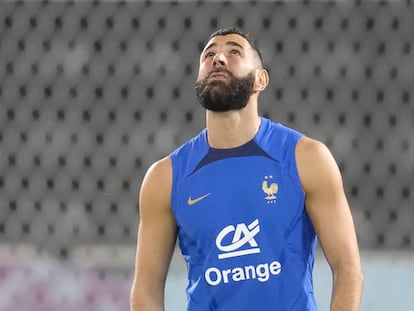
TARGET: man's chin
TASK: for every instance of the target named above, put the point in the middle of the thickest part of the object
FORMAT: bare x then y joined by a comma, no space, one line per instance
218,88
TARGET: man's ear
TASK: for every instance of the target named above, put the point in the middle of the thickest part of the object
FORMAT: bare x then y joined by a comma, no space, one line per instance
262,80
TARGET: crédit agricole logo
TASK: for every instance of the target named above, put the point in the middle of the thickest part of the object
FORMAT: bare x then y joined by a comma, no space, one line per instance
242,243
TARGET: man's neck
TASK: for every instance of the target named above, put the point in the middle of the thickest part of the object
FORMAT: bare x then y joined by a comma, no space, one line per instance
231,129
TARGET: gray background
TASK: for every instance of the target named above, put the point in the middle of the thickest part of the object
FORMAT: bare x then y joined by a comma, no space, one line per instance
91,93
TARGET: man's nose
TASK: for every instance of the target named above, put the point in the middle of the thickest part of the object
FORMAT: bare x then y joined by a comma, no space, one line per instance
219,60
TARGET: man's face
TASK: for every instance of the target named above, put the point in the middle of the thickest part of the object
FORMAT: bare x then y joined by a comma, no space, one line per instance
227,73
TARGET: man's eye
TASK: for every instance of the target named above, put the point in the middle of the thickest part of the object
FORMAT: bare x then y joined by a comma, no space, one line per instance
235,52
210,54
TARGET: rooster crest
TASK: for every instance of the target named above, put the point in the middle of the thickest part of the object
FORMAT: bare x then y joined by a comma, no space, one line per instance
270,190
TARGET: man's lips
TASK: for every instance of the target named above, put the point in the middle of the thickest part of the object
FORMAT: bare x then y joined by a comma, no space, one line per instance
218,75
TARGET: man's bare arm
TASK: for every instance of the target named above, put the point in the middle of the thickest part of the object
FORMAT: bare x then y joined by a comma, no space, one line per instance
156,239
329,211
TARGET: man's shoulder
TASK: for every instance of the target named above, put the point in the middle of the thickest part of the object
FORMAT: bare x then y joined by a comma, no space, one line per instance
161,167
282,128
196,142
278,136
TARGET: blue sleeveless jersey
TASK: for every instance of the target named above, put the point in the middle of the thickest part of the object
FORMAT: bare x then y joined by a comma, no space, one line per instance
242,227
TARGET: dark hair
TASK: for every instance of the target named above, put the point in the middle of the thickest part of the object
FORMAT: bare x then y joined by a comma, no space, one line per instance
237,31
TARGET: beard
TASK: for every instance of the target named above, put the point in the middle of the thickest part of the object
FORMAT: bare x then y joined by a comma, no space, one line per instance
222,96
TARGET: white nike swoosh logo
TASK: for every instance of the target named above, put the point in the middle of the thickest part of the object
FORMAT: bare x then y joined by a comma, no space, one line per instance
191,201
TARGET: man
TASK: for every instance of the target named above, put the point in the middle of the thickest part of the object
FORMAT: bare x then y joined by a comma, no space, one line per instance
246,198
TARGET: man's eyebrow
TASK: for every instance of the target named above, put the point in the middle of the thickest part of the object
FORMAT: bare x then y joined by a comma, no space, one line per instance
233,43
230,43
210,46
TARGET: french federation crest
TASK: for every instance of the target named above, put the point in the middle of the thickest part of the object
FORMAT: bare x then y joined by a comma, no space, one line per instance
270,189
